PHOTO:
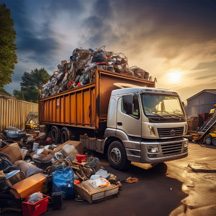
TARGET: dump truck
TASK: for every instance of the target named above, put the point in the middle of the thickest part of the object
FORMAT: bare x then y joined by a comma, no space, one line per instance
124,117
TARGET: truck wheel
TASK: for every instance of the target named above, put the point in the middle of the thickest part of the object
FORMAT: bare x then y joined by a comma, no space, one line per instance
65,134
214,141
208,140
55,134
117,156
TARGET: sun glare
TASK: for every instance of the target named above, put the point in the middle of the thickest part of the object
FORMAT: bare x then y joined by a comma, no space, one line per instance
174,76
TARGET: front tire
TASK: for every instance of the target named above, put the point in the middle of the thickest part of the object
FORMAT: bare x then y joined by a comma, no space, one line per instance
117,156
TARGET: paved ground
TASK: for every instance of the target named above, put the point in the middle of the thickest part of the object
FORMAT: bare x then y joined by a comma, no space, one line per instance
198,174
154,194
159,190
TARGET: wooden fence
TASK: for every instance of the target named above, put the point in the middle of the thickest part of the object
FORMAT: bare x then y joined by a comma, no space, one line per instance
13,112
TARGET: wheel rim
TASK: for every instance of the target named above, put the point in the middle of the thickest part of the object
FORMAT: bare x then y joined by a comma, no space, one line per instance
208,140
53,134
115,155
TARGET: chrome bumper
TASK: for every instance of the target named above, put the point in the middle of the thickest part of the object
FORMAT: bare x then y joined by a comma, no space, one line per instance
166,150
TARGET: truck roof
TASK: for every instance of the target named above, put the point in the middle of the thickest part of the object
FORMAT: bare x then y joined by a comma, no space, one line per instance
137,89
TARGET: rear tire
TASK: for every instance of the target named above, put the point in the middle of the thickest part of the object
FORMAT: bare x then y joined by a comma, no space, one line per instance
208,140
55,134
117,156
65,134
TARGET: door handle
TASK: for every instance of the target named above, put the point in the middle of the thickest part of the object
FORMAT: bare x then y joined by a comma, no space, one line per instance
119,123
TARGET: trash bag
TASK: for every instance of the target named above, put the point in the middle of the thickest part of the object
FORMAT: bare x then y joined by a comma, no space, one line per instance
27,168
13,152
140,73
14,133
62,181
5,163
99,56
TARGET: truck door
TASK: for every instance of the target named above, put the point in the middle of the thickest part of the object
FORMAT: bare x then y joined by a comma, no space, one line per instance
128,115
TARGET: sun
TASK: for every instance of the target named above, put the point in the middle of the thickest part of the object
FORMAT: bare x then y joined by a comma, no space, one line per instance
174,76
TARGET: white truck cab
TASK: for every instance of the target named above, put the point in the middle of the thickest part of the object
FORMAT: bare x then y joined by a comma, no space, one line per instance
145,125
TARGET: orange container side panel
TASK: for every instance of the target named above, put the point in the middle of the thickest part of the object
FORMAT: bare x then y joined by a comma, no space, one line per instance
85,106
67,109
50,111
93,108
62,109
46,110
73,109
58,109
79,108
54,110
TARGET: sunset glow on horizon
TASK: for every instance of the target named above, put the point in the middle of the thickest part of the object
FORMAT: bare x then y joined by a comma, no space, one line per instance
175,41
174,76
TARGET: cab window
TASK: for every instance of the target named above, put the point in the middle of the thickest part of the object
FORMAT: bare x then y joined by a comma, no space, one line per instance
130,105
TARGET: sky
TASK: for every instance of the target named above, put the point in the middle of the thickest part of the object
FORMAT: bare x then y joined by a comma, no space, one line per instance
174,40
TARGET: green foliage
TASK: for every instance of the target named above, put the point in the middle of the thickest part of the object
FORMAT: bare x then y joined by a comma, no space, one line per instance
31,84
8,56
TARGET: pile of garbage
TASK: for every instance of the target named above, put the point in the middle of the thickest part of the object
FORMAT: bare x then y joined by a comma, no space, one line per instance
80,69
35,172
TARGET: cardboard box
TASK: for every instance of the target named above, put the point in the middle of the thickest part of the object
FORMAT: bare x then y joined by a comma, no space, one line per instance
78,146
91,194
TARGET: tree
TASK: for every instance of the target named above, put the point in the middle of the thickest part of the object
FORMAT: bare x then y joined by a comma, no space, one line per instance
31,84
8,56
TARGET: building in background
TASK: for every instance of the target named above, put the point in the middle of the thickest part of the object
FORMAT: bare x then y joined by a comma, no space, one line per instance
198,108
201,103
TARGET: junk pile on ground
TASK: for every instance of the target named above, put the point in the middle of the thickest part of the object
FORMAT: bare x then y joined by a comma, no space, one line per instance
35,172
32,121
80,69
202,129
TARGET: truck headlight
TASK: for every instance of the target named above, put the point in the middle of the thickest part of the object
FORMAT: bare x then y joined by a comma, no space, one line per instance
152,130
153,149
186,144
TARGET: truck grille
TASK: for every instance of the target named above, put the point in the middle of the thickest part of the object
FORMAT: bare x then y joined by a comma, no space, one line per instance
170,132
171,148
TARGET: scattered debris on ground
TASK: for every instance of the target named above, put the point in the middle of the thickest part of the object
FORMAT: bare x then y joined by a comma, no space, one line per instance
131,180
35,172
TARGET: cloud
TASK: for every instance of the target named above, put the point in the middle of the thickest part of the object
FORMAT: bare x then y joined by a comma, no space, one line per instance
157,35
206,65
39,45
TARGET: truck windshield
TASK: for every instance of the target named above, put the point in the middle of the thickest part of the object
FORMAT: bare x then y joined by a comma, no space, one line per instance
161,105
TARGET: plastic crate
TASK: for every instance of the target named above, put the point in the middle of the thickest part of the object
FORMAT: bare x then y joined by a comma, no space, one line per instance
35,209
